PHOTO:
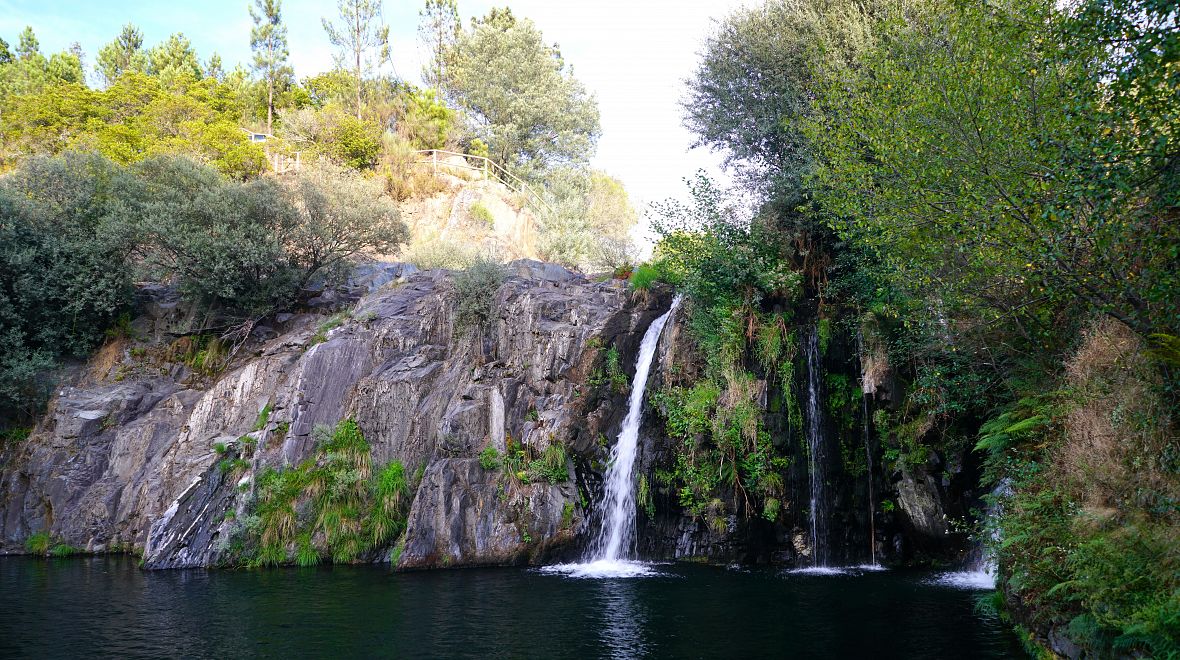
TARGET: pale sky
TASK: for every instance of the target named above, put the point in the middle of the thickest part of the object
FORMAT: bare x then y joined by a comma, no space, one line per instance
633,54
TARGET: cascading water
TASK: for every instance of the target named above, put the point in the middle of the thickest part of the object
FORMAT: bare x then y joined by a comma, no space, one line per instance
866,436
816,454
616,537
864,401
981,568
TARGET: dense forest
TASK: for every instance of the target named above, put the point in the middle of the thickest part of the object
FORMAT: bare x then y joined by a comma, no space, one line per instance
966,214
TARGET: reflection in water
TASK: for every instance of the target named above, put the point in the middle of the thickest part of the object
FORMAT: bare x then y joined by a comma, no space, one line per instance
624,619
106,606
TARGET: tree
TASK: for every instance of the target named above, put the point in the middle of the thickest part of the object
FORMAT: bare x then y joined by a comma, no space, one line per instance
65,276
439,29
125,53
949,154
362,39
214,68
268,40
757,79
174,61
5,53
525,102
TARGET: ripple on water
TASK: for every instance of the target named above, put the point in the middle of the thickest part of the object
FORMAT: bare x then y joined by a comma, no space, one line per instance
604,568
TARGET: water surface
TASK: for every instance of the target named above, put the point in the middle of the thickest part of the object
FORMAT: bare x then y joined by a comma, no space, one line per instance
106,606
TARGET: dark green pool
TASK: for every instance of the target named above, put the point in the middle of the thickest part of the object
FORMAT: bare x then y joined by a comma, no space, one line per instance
106,606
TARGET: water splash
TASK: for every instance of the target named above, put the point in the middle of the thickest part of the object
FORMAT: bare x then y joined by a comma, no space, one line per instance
611,553
816,454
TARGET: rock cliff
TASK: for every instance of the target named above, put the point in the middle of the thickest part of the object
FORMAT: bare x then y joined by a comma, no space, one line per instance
133,455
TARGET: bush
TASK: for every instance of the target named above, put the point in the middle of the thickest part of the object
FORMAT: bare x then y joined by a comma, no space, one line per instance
480,215
65,276
475,290
489,458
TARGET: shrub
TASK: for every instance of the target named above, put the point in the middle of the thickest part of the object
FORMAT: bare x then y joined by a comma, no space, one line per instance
475,290
552,466
489,458
480,215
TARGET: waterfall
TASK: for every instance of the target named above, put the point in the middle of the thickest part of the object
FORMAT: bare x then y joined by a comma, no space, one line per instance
616,537
864,401
866,436
617,534
816,454
981,568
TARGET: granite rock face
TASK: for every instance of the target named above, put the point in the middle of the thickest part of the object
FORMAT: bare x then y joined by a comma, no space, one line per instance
131,459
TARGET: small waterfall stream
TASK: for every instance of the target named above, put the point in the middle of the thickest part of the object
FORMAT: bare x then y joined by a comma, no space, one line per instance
816,454
614,545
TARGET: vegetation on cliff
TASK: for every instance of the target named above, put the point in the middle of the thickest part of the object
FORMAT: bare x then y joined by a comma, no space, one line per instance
967,197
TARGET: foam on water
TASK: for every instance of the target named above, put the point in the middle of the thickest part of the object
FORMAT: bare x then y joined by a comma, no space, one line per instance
821,570
965,580
604,568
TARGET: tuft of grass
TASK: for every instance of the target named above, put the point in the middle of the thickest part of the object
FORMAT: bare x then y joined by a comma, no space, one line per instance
219,447
335,321
644,276
263,418
479,214
38,544
552,466
63,550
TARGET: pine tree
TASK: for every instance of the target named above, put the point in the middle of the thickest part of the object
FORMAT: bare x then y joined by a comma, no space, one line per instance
123,54
359,33
268,40
439,30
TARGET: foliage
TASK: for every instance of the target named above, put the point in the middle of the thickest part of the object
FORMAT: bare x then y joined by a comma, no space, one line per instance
334,505
590,220
136,117
125,53
756,80
524,102
268,40
1014,205
64,277
489,458
438,31
475,290
39,543
361,39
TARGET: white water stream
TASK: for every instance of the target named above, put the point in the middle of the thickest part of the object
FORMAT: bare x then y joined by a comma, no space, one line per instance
611,553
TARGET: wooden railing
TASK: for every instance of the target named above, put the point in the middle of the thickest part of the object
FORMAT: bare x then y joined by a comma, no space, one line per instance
488,168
